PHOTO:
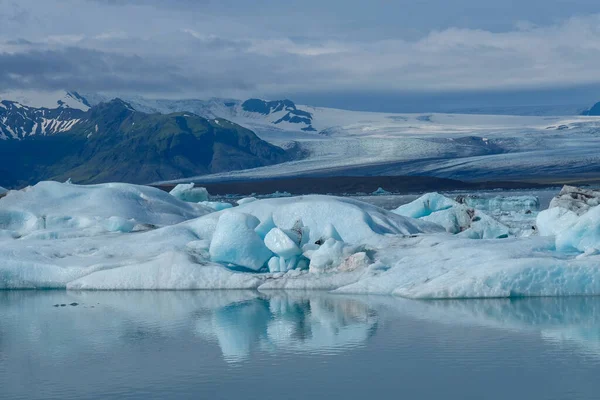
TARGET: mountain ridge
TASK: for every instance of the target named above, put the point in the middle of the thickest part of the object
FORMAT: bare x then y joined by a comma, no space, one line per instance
114,142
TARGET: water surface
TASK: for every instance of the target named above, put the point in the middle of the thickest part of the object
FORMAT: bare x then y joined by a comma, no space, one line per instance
232,345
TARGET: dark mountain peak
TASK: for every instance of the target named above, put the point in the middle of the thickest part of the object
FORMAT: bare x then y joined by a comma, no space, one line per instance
79,97
595,110
267,107
112,112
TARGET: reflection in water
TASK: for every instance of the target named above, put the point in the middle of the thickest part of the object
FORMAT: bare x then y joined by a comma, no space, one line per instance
289,321
562,320
239,321
222,344
242,322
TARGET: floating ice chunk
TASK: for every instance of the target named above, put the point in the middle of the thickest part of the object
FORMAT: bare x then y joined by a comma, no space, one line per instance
216,205
485,227
456,218
574,218
552,221
355,221
235,241
380,191
189,193
584,235
501,203
576,199
281,244
56,206
246,200
3,191
278,194
425,205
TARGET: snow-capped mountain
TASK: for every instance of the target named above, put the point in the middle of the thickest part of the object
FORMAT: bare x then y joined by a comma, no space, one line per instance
256,114
47,99
18,121
29,113
113,142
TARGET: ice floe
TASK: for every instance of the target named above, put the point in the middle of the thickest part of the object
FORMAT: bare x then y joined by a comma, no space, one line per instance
190,193
119,236
55,210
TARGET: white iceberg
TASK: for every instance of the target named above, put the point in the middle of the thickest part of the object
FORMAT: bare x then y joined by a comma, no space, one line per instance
501,203
190,193
53,210
347,246
456,218
574,219
216,205
234,241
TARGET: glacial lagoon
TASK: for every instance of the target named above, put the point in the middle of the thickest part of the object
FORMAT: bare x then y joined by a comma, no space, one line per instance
294,345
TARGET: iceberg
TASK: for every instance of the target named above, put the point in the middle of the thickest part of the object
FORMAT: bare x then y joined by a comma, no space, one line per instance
245,200
216,205
119,236
234,241
573,219
188,192
501,203
53,209
456,218
380,191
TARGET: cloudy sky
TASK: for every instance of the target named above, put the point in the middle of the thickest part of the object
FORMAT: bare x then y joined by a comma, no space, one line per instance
326,52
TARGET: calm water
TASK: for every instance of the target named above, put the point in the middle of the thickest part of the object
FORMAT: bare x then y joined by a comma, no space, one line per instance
247,345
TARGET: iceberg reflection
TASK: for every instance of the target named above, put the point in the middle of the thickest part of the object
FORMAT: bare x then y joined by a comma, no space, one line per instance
292,322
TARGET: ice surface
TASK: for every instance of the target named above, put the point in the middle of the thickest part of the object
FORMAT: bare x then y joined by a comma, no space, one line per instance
425,205
188,192
574,219
347,246
246,200
216,205
62,209
280,243
456,218
380,191
235,241
501,203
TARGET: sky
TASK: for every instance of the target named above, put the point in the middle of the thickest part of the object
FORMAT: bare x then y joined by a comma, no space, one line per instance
361,54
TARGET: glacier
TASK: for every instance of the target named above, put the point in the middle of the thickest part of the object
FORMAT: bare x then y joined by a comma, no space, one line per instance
121,237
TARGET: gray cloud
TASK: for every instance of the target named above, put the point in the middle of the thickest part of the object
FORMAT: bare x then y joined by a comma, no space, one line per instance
270,48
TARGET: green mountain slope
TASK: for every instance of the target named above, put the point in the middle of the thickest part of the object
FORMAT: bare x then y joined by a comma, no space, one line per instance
113,142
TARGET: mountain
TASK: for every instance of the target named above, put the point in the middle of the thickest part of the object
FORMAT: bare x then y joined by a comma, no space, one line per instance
280,111
62,99
255,114
18,121
114,142
594,111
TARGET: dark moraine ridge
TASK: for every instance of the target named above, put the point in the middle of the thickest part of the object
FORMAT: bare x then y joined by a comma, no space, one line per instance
354,184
